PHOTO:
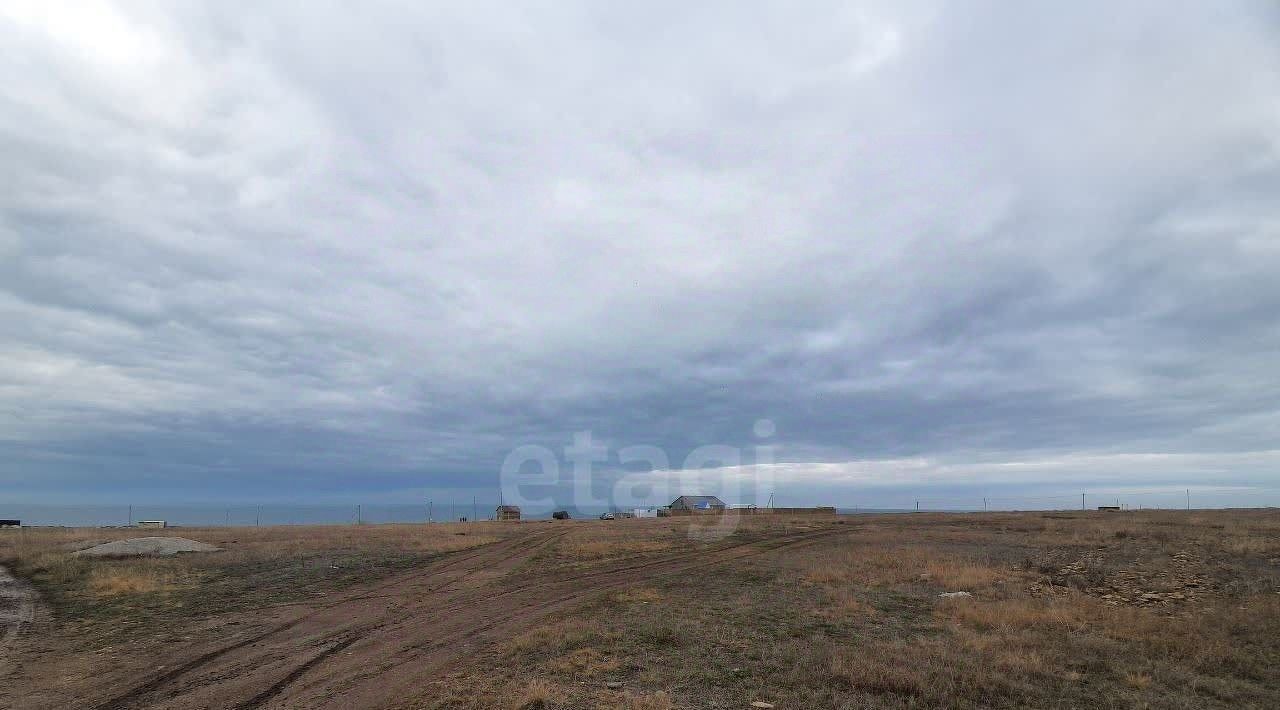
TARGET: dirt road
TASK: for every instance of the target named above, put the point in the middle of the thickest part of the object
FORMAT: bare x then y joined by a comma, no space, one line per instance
17,609
382,647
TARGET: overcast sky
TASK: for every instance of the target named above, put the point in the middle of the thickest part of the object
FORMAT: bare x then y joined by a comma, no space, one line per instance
315,251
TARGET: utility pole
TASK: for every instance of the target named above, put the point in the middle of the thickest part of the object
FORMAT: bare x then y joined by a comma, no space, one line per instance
430,511
130,515
359,514
475,510
917,506
1188,499
228,518
1082,506
257,518
984,504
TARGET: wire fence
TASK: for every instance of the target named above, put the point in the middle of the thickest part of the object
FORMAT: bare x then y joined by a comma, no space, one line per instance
431,511
1184,498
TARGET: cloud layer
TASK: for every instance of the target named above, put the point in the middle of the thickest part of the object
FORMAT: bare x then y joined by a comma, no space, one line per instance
307,250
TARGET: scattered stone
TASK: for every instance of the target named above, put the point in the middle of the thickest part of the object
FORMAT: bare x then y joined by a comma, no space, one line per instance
955,595
761,704
148,547
613,684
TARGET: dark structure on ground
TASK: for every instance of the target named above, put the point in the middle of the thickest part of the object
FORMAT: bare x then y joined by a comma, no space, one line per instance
672,511
561,515
508,512
704,504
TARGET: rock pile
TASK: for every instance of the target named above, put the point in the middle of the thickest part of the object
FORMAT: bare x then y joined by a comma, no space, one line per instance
1179,583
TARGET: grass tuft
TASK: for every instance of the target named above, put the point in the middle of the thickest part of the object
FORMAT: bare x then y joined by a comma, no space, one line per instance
537,695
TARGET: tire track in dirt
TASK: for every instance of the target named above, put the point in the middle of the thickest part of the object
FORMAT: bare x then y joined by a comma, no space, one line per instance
611,582
17,609
376,652
279,687
435,657
704,557
376,684
481,560
518,546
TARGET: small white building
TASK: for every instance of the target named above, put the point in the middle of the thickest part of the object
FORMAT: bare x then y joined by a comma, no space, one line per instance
151,524
644,512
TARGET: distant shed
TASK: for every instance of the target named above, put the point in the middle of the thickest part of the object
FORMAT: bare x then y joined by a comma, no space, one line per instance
508,512
152,524
704,504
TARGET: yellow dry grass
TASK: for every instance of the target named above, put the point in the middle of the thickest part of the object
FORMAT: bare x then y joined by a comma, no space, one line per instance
1060,614
874,565
265,543
586,662
47,554
135,579
642,595
1137,680
1032,634
923,668
537,695
555,638
844,603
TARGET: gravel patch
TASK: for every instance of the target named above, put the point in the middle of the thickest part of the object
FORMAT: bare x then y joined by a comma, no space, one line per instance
149,547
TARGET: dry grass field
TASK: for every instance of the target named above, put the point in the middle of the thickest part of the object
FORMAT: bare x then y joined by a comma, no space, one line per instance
108,599
1155,609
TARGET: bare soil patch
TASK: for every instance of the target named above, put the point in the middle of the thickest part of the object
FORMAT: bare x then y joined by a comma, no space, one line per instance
1131,610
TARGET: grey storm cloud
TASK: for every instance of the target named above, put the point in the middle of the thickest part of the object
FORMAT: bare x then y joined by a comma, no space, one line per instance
314,247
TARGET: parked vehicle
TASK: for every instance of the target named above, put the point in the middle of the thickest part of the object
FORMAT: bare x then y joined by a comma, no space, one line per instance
606,516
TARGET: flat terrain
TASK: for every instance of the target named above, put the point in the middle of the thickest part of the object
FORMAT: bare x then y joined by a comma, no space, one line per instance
1153,609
